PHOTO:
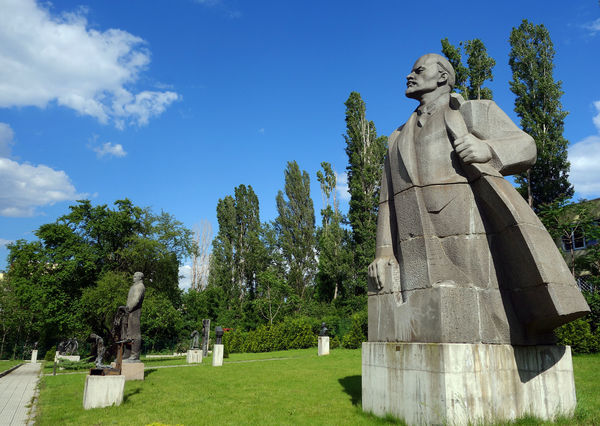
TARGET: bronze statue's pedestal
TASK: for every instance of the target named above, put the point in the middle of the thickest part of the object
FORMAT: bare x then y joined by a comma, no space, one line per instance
194,356
103,391
458,384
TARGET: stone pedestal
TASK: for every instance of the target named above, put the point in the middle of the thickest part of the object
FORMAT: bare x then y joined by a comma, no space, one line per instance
103,391
132,370
217,355
451,383
58,357
323,345
194,356
34,356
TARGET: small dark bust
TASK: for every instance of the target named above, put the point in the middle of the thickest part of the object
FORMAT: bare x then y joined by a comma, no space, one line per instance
219,334
324,330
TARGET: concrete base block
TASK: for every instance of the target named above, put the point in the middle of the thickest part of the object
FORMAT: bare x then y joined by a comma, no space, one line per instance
58,357
34,356
457,384
103,391
217,355
194,356
132,370
323,345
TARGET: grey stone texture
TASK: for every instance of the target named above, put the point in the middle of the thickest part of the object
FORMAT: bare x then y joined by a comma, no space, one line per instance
461,258
459,384
103,391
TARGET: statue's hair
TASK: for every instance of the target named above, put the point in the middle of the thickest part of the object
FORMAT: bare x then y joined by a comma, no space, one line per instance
444,66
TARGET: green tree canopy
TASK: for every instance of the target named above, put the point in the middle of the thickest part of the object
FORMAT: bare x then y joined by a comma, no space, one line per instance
366,152
538,105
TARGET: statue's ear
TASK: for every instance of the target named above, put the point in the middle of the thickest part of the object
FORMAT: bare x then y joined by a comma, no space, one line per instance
443,78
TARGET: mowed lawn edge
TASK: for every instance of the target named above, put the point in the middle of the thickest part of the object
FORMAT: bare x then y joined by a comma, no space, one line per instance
287,387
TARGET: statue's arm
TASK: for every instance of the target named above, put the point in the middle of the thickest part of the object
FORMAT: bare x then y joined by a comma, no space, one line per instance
513,151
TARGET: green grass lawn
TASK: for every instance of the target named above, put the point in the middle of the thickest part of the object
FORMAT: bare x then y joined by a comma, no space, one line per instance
290,387
6,364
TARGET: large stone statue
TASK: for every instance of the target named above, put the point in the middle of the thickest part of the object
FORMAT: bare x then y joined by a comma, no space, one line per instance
135,298
467,285
460,255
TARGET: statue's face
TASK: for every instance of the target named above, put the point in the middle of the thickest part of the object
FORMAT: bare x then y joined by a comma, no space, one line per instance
137,277
423,78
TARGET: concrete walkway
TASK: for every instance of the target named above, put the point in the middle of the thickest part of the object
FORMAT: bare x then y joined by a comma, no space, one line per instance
16,392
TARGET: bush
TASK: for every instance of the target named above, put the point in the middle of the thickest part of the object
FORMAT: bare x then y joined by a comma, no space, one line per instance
579,336
358,332
291,333
75,365
50,354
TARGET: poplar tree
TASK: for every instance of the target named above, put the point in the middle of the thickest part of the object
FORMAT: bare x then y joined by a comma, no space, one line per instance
335,257
538,105
470,79
295,227
237,248
366,153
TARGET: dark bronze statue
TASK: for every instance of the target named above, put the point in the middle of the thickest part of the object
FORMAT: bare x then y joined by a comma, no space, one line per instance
195,336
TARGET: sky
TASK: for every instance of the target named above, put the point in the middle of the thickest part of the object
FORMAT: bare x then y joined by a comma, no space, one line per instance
173,104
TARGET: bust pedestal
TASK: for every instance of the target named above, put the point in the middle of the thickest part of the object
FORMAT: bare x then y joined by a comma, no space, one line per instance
323,345
217,354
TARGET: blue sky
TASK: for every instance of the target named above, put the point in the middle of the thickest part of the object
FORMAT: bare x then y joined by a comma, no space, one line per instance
174,103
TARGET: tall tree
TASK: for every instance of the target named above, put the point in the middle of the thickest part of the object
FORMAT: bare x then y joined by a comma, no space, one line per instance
335,257
295,227
538,105
478,69
237,249
366,153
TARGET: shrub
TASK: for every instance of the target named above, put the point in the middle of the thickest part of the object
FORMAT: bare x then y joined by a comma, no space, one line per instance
50,353
357,334
579,336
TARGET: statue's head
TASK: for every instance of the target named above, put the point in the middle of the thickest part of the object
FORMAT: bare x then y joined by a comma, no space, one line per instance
137,277
431,72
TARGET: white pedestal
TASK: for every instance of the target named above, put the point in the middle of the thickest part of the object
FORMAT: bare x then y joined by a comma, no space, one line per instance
217,355
323,345
458,384
34,356
194,356
58,357
103,391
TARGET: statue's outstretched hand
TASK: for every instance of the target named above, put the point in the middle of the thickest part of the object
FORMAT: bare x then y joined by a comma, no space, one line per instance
471,149
378,271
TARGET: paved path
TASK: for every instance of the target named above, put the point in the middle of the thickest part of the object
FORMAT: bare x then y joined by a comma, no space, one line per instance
16,391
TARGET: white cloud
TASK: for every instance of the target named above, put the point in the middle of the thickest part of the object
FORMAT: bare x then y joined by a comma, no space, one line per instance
596,119
593,26
342,186
25,187
4,242
585,157
6,140
185,277
107,148
46,58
